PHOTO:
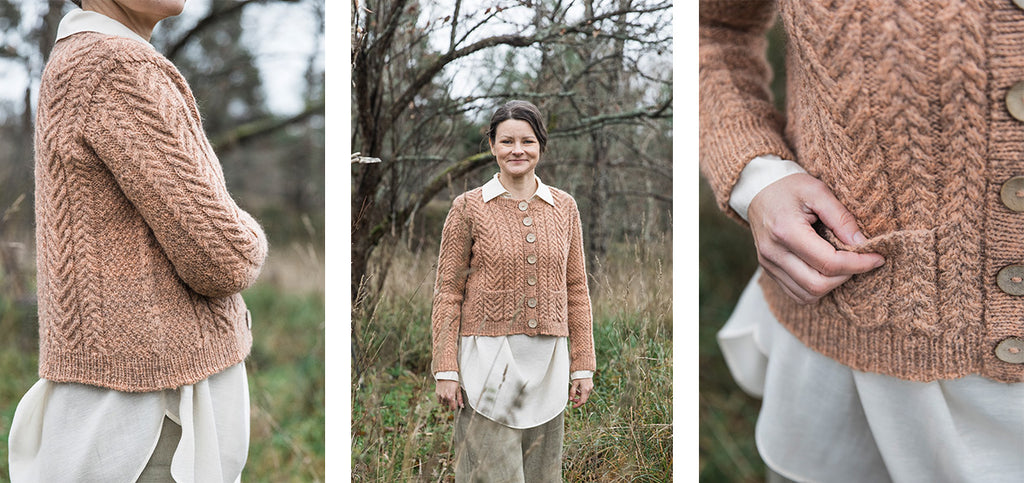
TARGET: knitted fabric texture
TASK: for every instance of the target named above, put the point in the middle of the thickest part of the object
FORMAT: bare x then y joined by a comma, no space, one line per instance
900,108
141,251
484,275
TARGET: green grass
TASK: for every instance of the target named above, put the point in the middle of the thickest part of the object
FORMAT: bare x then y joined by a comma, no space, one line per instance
624,433
727,414
286,381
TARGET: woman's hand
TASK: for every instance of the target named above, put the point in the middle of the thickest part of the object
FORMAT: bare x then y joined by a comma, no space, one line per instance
580,391
805,265
448,394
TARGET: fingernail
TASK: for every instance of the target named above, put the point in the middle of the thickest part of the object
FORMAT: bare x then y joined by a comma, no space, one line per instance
858,238
879,263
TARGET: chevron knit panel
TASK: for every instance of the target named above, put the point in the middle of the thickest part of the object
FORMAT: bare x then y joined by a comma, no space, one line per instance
900,109
484,268
141,251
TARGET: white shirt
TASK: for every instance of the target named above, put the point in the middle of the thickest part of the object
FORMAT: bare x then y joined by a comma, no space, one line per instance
822,421
516,380
76,432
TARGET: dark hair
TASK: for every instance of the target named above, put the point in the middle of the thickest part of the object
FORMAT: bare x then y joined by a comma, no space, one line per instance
77,2
520,111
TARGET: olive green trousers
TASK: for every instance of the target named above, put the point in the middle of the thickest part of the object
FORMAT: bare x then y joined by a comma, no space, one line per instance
486,451
158,469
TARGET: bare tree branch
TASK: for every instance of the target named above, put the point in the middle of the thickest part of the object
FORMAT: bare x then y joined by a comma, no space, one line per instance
643,194
227,141
512,40
590,123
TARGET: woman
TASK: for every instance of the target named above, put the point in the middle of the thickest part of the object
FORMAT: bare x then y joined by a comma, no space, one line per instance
141,256
885,332
511,287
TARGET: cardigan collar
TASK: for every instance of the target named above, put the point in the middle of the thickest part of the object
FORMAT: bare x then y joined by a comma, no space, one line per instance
493,189
79,20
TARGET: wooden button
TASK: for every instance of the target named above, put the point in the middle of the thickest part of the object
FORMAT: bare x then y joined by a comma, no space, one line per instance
1015,101
1011,349
523,205
1011,279
1012,193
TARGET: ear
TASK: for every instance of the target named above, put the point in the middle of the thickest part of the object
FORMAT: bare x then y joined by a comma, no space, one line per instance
491,146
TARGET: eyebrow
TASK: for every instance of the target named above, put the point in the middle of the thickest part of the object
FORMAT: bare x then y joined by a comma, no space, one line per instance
528,136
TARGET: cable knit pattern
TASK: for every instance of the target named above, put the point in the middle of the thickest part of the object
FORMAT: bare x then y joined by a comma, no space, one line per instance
483,272
900,108
141,251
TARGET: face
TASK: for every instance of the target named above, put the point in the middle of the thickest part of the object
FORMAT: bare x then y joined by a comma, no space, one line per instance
516,148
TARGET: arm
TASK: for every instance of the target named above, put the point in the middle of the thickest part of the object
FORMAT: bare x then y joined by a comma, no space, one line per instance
449,293
581,331
738,124
738,121
450,288
143,125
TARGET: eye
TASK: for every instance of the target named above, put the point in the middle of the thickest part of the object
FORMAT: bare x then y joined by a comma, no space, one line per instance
527,141
506,141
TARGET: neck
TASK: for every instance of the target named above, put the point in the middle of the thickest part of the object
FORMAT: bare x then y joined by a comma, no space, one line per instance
137,23
520,187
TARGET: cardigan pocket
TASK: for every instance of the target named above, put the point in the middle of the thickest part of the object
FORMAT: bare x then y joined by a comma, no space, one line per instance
498,307
903,292
558,308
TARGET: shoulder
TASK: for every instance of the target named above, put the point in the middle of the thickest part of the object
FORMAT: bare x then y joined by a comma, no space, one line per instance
471,197
563,199
465,204
106,52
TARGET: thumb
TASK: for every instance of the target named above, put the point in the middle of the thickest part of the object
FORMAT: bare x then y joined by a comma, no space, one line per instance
837,218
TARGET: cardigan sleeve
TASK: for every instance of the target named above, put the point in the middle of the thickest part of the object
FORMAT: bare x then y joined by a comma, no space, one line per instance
143,124
581,320
737,119
450,287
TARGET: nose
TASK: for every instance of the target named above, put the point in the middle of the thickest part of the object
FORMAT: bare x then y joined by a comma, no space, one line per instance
517,148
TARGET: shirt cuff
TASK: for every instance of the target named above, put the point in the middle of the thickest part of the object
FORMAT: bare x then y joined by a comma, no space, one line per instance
581,375
758,174
447,376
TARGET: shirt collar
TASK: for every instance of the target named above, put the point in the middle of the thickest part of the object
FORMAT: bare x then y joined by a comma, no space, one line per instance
493,189
79,20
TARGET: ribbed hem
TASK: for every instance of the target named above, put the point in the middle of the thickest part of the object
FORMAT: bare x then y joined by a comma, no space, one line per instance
122,373
883,349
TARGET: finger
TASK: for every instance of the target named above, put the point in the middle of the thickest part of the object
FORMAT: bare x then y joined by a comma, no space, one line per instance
809,280
458,397
786,282
834,215
805,243
584,397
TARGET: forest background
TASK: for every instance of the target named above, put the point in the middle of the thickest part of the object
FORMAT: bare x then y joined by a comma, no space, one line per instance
425,78
257,71
726,262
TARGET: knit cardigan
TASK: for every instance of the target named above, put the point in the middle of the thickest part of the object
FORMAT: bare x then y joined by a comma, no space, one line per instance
141,251
492,280
901,109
